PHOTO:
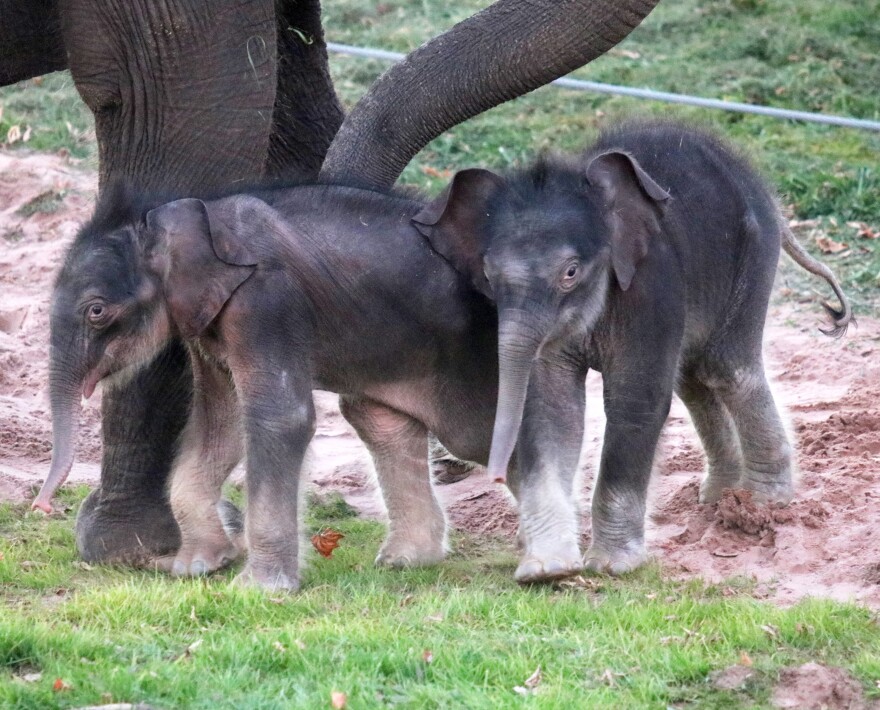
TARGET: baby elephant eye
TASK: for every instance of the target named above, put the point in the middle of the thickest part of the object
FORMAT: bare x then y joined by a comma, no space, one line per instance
569,275
96,312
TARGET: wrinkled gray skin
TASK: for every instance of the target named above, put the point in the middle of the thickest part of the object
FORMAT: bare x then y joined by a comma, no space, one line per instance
189,95
275,294
651,260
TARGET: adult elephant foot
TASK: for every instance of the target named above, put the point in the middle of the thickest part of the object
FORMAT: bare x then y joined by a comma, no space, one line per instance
135,531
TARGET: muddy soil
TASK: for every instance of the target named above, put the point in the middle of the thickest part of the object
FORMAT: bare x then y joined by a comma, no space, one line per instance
826,543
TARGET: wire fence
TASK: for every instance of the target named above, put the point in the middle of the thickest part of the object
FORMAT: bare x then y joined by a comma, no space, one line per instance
651,95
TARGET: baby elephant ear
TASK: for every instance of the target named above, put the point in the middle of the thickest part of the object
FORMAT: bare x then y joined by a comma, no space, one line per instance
634,206
202,261
455,222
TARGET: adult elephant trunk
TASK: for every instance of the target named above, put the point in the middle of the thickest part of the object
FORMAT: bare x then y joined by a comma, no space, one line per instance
518,343
505,51
65,396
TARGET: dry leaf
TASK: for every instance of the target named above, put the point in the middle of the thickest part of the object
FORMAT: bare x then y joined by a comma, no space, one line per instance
428,656
326,541
32,677
829,246
60,685
745,659
188,653
13,134
609,678
278,646
534,680
770,630
433,172
436,618
864,231
27,135
723,552
338,699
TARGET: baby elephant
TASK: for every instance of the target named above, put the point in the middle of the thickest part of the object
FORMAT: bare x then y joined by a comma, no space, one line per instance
276,293
650,259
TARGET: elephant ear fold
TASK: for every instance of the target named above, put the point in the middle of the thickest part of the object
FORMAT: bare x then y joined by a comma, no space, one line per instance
201,260
455,223
634,206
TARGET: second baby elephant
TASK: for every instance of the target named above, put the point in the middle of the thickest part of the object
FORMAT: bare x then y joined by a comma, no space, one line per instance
276,293
650,259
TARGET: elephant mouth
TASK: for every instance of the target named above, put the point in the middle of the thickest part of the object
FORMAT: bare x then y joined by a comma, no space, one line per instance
91,381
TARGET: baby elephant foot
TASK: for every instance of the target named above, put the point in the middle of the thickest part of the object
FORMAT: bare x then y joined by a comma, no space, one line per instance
271,578
399,551
615,561
711,488
774,492
547,567
198,560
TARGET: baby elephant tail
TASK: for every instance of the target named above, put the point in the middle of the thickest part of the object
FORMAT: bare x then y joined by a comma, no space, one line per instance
840,318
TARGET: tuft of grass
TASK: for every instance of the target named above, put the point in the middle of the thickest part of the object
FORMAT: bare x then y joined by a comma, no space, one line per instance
461,634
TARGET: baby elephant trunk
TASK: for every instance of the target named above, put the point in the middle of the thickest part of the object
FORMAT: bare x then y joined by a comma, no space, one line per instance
66,407
518,344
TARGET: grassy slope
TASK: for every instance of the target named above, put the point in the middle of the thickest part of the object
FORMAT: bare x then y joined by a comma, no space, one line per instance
639,642
125,634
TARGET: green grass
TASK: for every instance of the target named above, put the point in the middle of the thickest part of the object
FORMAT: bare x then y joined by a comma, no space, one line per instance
123,635
127,636
801,54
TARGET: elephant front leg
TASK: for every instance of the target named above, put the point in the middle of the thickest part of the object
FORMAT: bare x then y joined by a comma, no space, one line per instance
398,445
636,409
543,474
128,519
210,448
279,419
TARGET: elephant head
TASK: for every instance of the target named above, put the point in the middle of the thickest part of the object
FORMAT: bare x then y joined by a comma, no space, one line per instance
546,245
119,301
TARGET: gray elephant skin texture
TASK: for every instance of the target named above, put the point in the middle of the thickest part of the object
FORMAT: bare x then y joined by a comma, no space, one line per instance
649,258
275,293
189,95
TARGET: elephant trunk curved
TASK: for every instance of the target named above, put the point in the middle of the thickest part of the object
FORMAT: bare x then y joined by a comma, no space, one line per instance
518,343
483,61
65,394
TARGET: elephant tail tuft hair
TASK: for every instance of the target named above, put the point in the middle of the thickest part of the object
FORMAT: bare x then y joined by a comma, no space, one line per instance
840,318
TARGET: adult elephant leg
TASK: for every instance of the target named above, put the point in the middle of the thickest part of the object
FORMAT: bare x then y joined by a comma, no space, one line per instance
183,96
307,113
505,51
128,518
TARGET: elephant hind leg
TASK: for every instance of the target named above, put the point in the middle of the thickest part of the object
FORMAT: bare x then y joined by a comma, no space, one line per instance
398,445
767,455
718,435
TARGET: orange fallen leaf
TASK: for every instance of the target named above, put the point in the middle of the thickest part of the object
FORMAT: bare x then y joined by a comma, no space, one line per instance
864,231
745,659
60,685
435,173
326,541
829,246
338,699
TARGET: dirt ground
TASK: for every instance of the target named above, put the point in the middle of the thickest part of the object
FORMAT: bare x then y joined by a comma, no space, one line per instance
826,543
